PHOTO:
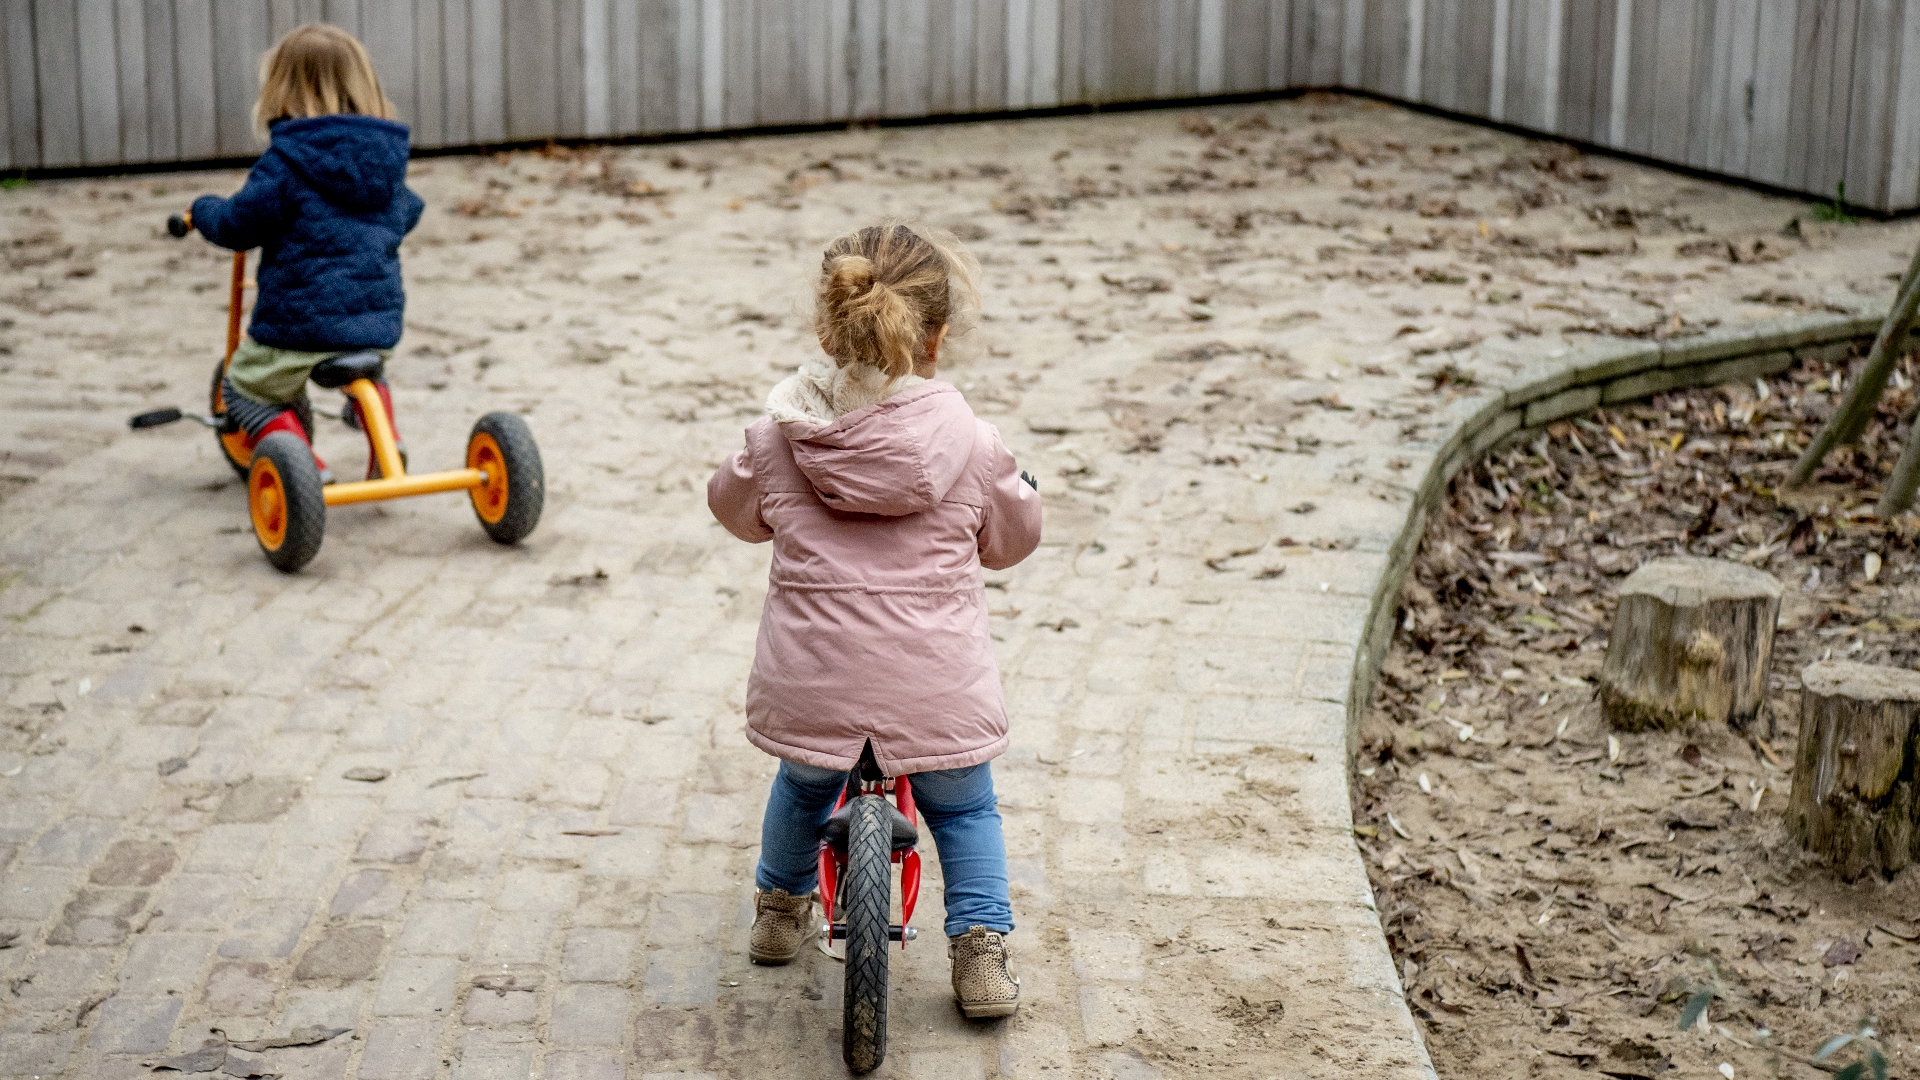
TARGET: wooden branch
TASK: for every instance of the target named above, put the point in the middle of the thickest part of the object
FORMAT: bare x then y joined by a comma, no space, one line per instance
1897,497
1889,346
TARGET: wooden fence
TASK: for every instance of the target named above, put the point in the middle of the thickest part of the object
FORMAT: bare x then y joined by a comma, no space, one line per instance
1802,94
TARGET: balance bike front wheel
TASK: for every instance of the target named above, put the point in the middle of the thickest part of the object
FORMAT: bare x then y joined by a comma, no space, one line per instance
865,898
508,503
285,499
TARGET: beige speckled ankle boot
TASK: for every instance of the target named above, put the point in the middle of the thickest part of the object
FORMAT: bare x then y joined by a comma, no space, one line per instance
781,924
981,982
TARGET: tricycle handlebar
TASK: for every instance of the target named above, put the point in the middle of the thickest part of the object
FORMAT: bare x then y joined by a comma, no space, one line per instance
179,225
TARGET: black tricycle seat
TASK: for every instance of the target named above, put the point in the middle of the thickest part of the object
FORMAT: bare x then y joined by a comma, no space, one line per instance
339,371
905,836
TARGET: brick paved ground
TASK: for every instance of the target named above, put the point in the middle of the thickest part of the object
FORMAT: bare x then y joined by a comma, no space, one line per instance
1206,339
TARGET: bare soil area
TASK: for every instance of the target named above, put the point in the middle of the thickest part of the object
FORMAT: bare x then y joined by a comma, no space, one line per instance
1553,892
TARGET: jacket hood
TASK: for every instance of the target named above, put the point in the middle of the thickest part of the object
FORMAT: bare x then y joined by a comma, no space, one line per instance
354,162
898,457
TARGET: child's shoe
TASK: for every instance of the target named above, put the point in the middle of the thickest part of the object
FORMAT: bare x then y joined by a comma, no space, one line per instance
781,924
981,982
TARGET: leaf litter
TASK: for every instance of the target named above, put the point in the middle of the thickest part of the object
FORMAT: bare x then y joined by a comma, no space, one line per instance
1552,887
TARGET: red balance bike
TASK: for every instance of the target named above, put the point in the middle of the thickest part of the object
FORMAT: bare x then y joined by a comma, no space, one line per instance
286,495
863,838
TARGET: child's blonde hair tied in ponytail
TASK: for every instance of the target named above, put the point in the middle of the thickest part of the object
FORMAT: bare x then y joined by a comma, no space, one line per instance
886,291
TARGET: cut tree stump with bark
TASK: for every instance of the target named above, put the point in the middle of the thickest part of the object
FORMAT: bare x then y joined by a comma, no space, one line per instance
1854,778
1691,643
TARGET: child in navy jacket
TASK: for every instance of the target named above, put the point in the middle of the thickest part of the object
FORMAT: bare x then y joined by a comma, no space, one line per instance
328,205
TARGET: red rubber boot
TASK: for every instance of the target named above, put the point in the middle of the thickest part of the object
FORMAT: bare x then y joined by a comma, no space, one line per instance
288,421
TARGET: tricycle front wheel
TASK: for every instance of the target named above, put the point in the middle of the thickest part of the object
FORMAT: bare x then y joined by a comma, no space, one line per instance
509,501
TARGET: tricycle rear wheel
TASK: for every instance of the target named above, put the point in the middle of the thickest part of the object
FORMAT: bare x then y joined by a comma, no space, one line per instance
866,900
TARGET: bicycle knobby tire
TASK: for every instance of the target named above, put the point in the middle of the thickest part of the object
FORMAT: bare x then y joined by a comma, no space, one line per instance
866,900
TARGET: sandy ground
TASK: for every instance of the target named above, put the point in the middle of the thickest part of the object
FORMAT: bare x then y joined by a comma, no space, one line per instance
1215,330
1557,892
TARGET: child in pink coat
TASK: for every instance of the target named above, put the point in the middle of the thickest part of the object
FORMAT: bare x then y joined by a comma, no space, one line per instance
884,497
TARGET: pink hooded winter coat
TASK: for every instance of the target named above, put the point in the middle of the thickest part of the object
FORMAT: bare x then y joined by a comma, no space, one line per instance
875,625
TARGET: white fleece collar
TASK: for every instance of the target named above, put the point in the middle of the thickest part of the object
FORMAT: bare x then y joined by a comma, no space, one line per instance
820,393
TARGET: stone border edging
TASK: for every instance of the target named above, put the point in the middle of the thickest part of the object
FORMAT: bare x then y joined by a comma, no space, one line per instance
1558,385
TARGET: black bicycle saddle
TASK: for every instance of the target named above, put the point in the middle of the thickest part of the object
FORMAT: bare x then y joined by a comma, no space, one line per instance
340,370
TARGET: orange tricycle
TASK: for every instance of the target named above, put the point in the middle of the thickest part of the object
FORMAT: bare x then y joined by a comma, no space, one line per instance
288,497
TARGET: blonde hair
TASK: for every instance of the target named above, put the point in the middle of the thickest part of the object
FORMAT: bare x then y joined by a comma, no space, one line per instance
886,290
317,70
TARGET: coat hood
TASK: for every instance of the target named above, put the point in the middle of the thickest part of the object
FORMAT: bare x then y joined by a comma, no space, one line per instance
357,163
897,457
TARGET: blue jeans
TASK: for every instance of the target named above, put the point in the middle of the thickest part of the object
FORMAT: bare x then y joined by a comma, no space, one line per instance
959,807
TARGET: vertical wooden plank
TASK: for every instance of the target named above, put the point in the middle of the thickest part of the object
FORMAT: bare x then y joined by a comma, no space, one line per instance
1741,27
740,91
1043,55
1179,38
596,68
1830,153
689,50
1583,52
56,49
240,39
623,70
1874,68
8,76
163,92
346,15
1619,77
990,55
1706,65
659,29
814,59
428,119
1437,39
1353,45
1096,53
1242,45
282,16
1673,84
1413,76
1210,47
782,99
1018,51
533,87
1279,44
570,92
1073,46
1500,44
940,57
130,42
907,78
1473,56
867,58
713,65
457,19
1903,170
1642,75
386,29
1809,32
193,70
487,69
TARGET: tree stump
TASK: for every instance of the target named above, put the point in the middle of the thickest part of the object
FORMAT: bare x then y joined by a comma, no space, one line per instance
1691,642
1854,777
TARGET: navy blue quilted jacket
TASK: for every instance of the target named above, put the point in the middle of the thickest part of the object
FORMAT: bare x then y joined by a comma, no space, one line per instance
327,204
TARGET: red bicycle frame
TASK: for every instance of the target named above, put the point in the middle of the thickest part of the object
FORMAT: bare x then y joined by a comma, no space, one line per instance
832,862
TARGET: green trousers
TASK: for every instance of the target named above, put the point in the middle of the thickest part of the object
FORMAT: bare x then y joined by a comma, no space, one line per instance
273,376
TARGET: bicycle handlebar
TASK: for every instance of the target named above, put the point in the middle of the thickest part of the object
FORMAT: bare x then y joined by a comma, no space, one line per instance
179,225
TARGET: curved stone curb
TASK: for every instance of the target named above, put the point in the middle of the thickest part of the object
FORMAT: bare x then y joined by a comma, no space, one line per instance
1560,384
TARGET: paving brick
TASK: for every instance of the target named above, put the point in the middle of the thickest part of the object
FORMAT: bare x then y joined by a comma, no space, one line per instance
487,1055
240,988
598,955
401,1049
396,838
198,901
98,917
267,928
343,953
500,1008
74,842
368,894
587,1014
682,976
228,849
519,939
417,986
35,893
587,1065
34,1055
440,928
161,964
258,799
124,1025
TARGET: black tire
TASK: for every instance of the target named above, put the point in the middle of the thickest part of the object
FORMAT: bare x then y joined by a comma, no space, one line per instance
510,515
217,406
866,901
291,539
